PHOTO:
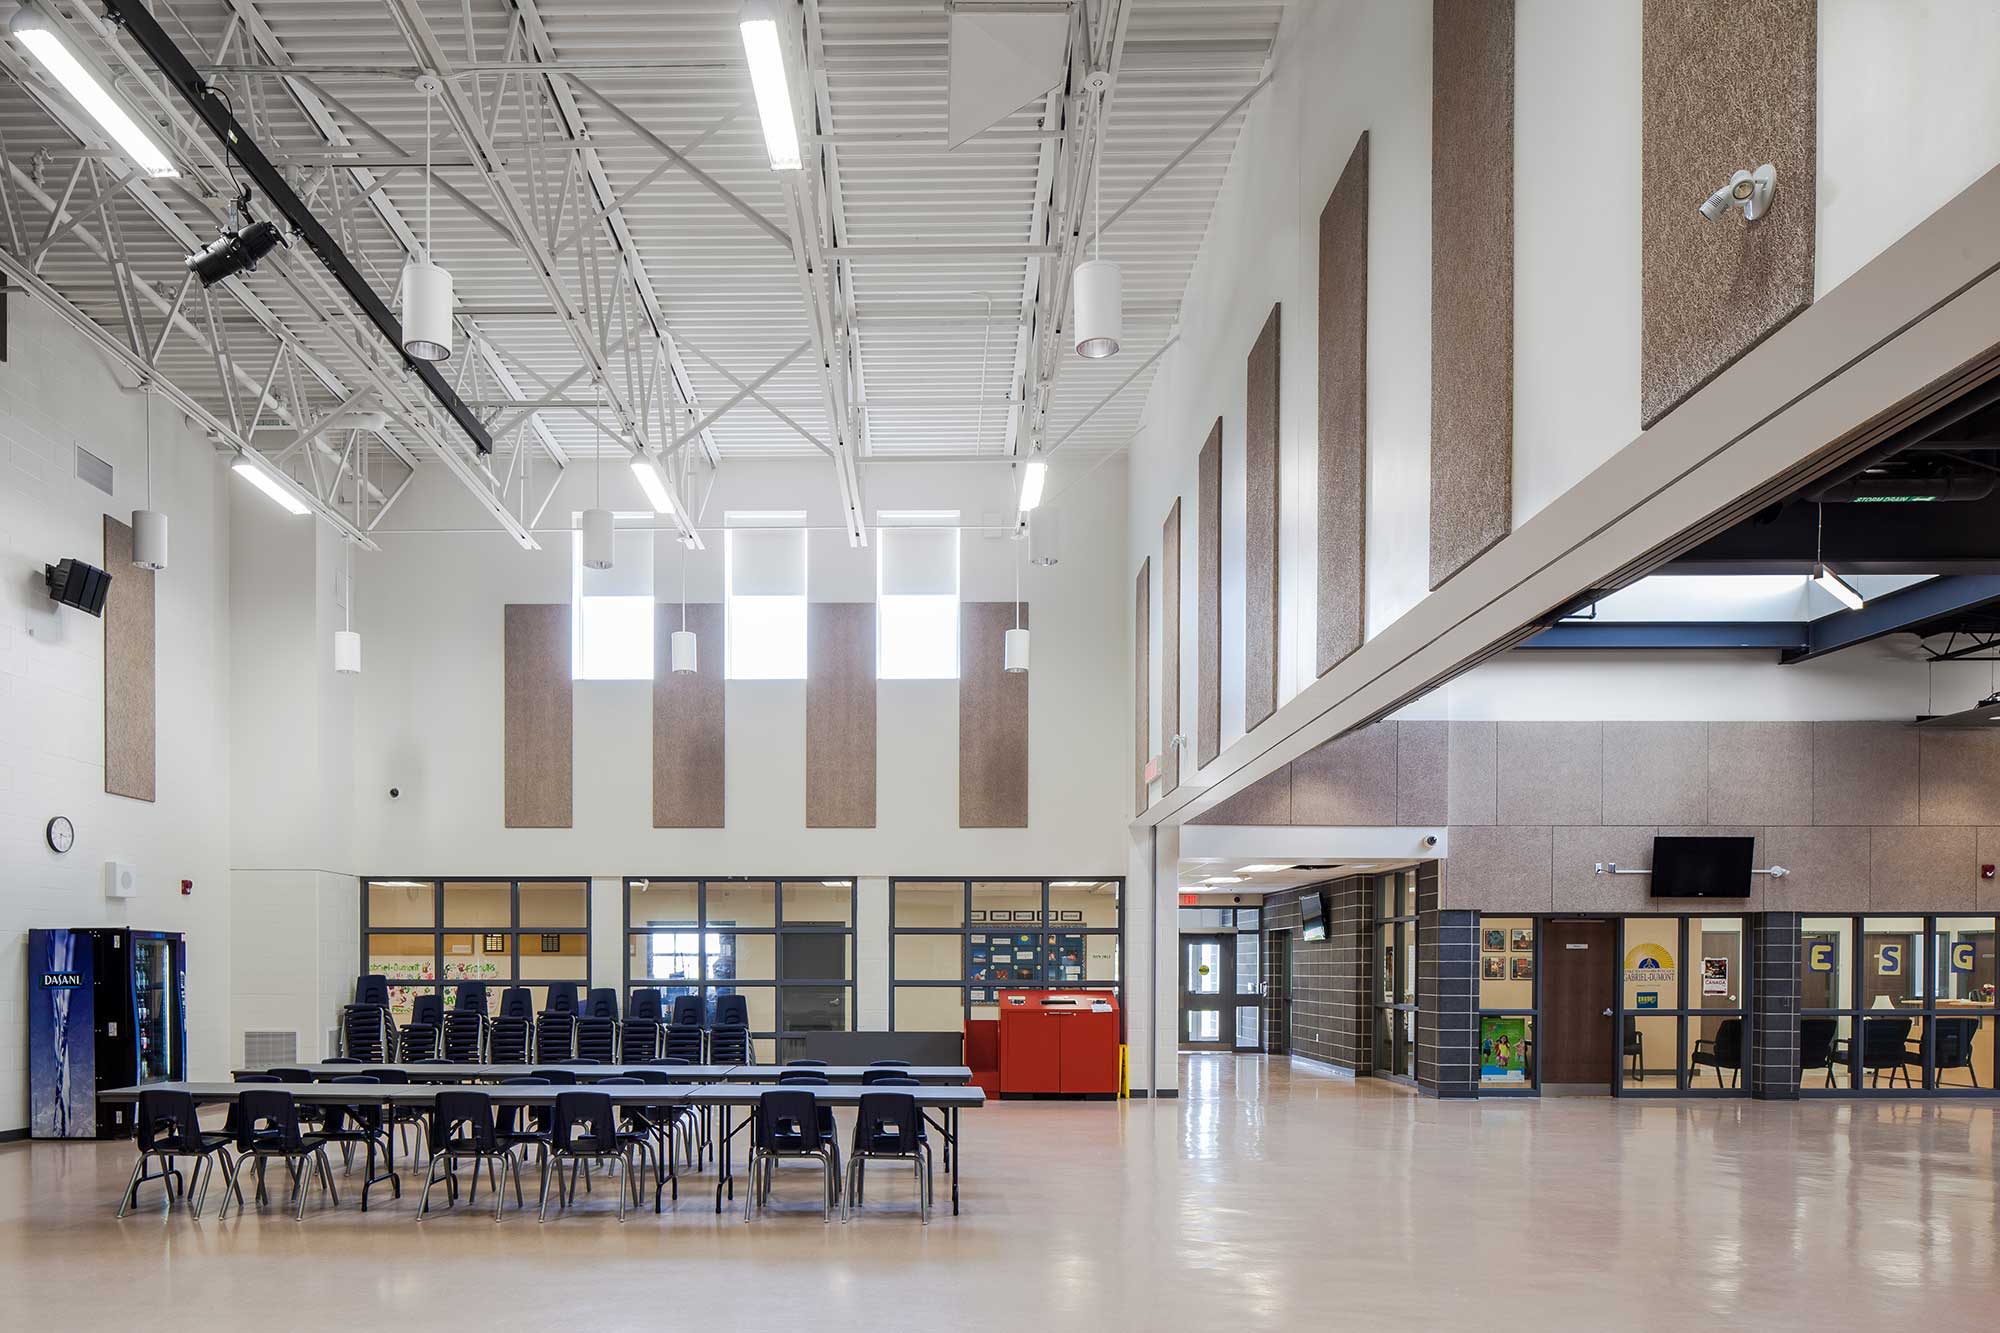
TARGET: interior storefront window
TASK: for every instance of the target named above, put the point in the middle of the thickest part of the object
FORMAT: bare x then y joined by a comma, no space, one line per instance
1897,1004
1507,1000
956,944
425,935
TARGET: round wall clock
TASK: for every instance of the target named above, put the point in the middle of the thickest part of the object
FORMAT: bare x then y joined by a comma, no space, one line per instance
60,833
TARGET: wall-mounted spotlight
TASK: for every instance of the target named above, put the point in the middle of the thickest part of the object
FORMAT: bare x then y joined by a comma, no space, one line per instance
1750,191
238,249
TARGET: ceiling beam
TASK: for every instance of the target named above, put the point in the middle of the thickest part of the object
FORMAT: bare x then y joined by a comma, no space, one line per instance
1600,635
1905,609
138,22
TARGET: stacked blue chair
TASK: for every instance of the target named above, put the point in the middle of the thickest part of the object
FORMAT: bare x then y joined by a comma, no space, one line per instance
423,1035
685,1030
597,1027
639,1039
367,1032
465,1027
511,1036
555,1030
729,1034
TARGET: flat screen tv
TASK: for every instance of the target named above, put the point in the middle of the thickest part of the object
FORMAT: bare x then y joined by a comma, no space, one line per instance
1701,867
1312,914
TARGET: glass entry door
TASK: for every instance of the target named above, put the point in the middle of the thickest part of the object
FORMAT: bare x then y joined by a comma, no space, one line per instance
1221,992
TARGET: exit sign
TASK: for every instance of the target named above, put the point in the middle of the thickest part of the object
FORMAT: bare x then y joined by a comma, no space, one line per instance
1187,900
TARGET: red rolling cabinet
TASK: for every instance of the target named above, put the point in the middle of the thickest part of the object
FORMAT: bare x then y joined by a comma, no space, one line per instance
1058,1042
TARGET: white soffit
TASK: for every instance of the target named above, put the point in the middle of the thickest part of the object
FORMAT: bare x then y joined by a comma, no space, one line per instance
1000,62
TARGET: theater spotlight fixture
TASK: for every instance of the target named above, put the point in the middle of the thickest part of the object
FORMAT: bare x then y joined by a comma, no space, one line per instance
237,249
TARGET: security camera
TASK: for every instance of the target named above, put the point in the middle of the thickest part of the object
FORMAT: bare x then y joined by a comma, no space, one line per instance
1748,190
1430,840
395,793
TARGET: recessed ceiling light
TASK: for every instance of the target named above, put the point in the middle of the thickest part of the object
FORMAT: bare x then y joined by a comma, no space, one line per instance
1259,869
1223,879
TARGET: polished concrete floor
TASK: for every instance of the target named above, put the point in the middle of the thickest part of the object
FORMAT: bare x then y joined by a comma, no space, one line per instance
1270,1196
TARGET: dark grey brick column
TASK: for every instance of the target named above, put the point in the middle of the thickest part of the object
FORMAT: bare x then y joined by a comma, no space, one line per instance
1447,993
1332,1017
1350,929
1774,1006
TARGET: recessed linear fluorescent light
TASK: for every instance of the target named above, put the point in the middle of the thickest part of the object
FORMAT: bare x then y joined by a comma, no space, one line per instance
837,883
653,484
1223,879
763,518
1837,588
400,883
890,518
766,54
1033,477
1074,883
260,477
1259,869
32,29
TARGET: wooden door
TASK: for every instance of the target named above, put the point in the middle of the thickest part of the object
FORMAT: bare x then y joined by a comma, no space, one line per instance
1578,995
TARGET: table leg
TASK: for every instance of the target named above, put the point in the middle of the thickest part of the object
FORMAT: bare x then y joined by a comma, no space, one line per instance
951,1149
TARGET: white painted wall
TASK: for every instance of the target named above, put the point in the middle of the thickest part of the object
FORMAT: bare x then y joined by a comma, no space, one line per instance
1886,680
428,704
1909,116
56,393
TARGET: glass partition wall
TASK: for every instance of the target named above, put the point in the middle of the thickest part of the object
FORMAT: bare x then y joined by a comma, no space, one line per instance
424,934
955,944
786,946
1896,1004
1683,1005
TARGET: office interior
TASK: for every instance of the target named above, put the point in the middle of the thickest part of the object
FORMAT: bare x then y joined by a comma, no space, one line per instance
1376,587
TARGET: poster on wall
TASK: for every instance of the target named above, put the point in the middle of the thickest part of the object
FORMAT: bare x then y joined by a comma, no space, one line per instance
1523,968
1503,1055
1495,942
1493,969
1521,939
1715,976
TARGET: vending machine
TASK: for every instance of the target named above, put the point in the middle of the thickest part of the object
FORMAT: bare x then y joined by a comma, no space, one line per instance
107,1008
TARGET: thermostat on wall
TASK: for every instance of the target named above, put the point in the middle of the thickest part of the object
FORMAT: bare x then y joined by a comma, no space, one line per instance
120,880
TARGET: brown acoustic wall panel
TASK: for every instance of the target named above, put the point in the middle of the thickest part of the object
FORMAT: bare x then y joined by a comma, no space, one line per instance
1713,290
1472,280
1208,598
1170,649
840,715
992,720
1343,412
539,717
1142,668
688,730
1260,532
129,715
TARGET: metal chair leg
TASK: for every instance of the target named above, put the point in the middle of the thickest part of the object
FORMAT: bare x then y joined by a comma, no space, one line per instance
130,1196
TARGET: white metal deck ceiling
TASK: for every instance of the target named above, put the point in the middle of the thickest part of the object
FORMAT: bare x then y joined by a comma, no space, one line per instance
627,133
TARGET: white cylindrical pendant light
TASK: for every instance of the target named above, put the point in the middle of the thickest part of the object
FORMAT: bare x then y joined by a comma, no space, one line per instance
346,652
426,311
1015,652
1099,322
149,539
681,648
597,539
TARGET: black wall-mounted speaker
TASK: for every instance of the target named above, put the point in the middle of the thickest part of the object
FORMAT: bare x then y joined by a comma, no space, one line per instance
74,583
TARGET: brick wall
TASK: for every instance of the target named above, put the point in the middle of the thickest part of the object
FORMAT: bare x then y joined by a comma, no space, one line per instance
1774,1005
1447,993
1332,1017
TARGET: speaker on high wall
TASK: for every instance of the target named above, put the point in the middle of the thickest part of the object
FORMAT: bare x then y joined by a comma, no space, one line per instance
83,586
